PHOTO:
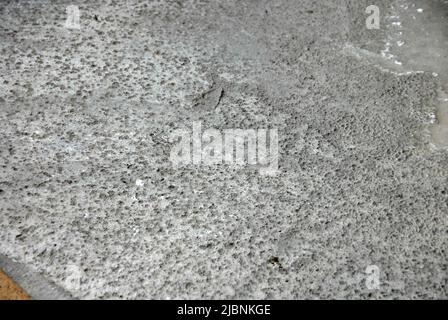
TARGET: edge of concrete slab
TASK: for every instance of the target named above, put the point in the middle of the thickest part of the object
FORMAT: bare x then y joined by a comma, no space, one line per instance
36,285
9,290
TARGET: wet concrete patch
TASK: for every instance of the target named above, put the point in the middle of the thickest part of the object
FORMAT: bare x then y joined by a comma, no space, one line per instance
21,282
418,40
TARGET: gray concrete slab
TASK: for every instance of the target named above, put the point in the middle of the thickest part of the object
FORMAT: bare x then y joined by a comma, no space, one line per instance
89,197
37,287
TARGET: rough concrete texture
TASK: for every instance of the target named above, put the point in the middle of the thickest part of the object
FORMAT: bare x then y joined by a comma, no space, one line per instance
363,181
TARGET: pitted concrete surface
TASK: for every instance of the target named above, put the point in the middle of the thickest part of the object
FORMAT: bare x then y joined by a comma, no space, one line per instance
91,201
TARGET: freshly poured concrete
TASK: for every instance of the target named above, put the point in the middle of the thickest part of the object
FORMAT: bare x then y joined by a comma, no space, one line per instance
90,200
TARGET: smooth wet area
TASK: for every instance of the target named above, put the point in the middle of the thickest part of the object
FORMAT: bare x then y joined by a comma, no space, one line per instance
411,27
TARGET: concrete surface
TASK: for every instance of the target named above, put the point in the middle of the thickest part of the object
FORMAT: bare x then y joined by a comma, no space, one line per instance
90,200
